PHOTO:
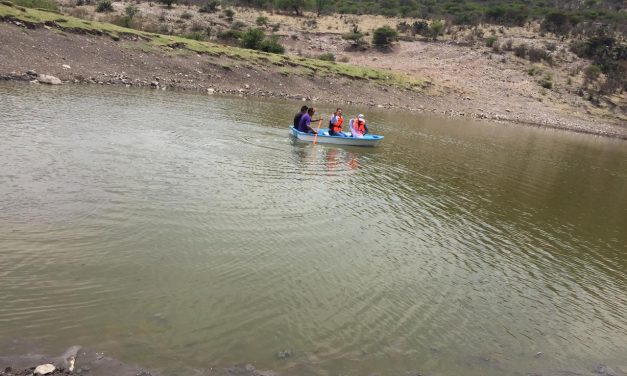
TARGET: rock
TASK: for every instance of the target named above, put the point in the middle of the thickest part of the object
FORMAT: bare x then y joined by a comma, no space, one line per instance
211,90
246,86
538,354
31,72
154,84
65,66
47,79
603,370
249,367
284,354
44,369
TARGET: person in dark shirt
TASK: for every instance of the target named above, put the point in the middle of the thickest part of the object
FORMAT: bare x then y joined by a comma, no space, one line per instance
304,126
303,111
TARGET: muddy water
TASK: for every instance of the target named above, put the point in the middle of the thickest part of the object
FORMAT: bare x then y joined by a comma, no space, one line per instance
175,230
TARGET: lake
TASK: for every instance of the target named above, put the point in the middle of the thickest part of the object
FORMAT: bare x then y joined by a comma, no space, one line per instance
183,231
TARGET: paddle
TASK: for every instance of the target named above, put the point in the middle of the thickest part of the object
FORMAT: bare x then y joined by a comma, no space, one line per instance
317,131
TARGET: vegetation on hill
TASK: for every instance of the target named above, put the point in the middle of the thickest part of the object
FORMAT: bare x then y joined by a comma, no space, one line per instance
562,14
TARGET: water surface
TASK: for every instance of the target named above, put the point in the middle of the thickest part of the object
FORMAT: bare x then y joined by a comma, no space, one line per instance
181,230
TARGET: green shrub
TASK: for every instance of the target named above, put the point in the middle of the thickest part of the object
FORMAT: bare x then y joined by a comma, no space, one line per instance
42,4
104,6
521,50
353,36
436,28
546,82
592,72
196,35
209,7
186,15
252,39
262,21
384,36
490,41
272,45
129,13
230,35
537,54
420,28
229,14
327,57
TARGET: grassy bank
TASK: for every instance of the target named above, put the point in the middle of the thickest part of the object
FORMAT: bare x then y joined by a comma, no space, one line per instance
286,65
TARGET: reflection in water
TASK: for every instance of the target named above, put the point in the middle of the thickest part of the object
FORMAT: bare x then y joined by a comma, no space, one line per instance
180,231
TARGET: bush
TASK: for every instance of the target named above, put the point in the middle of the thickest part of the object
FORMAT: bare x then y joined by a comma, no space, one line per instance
129,12
238,25
592,72
196,35
352,36
538,54
230,35
261,21
252,39
521,50
104,6
209,7
168,3
384,36
420,27
186,15
327,57
229,14
491,40
546,82
272,45
436,28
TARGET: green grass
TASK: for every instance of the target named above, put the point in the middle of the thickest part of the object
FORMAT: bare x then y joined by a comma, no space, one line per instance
291,65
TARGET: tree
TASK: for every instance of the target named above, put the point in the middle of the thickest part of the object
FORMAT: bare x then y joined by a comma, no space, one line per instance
229,13
384,36
295,5
321,5
252,39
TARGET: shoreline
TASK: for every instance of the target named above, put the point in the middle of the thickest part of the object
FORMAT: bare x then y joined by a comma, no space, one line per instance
496,118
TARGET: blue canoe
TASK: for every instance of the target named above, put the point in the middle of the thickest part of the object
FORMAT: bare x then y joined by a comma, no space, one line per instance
324,138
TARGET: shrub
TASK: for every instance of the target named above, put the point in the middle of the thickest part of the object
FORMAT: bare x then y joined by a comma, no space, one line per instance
344,59
538,54
252,39
508,45
546,82
592,72
230,35
168,3
521,50
352,36
436,28
229,14
104,6
196,35
272,45
129,12
186,15
261,21
327,57
238,25
420,27
209,7
491,40
384,36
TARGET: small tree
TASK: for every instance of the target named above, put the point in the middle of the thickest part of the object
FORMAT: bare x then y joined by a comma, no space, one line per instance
436,28
384,36
129,12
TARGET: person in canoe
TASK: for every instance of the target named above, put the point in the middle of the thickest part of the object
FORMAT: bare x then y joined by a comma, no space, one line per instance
358,126
335,124
305,121
303,111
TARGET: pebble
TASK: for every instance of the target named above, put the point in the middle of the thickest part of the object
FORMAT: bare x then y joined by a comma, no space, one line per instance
284,354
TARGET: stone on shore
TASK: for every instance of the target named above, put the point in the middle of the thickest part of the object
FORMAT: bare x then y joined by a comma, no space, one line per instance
44,369
47,79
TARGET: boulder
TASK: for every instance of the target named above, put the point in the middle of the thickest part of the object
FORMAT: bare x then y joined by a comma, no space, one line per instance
44,369
47,79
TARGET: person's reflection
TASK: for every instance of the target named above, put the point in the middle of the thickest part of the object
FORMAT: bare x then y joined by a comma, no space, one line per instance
332,159
353,160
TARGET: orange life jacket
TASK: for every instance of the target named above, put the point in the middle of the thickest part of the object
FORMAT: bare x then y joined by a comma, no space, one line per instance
360,126
337,127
